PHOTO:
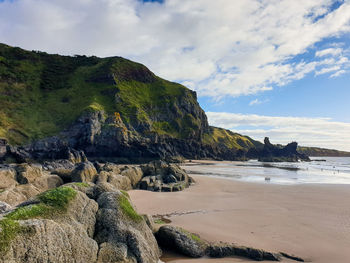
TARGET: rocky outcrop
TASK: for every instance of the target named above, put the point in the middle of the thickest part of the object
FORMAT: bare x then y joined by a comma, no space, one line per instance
221,250
277,153
181,241
66,224
20,182
122,234
191,245
163,177
57,226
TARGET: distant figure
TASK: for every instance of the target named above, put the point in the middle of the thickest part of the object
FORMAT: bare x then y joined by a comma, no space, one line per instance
268,179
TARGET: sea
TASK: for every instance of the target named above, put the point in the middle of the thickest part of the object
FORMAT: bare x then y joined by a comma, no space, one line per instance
321,170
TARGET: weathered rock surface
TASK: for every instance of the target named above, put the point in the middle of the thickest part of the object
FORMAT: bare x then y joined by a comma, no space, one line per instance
181,241
123,236
84,172
65,236
22,181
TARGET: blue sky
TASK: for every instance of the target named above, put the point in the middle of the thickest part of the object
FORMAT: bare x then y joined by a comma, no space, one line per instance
260,67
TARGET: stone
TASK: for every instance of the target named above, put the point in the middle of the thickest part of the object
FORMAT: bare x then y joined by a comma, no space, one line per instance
7,177
66,237
4,207
28,173
220,250
84,172
115,227
181,241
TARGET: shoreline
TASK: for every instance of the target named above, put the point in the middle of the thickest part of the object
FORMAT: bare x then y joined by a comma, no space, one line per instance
309,220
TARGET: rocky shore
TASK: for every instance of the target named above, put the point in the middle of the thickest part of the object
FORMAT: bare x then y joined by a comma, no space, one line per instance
73,210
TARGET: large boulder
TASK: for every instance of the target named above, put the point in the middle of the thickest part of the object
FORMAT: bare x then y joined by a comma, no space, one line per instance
122,234
164,177
181,241
84,172
57,226
28,173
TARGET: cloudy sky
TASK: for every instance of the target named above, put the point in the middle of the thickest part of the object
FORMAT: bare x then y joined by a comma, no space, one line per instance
278,68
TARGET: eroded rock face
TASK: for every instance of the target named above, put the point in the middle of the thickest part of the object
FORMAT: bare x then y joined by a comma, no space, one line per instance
123,235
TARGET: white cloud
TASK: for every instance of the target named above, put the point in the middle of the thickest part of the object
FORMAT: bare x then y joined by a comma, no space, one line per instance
338,73
318,132
328,51
257,102
220,47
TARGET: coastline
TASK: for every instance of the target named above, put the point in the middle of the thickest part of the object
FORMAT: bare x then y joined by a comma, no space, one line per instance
310,221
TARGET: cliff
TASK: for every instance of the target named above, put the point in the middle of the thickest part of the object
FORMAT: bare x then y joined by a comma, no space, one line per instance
107,107
319,152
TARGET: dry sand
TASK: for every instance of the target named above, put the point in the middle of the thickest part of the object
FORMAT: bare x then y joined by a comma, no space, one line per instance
310,221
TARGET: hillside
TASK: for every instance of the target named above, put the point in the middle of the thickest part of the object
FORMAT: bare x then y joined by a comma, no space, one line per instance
105,106
319,152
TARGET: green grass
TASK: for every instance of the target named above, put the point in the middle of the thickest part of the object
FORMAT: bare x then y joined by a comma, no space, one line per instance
43,94
51,202
159,221
230,139
125,193
82,184
9,230
128,210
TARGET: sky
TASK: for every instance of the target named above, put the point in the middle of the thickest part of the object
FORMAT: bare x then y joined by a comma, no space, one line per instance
277,68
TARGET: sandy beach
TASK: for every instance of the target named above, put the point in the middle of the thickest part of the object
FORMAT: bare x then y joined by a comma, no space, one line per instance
308,220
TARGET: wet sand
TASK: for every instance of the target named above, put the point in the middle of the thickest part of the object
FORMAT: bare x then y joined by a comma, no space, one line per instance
310,221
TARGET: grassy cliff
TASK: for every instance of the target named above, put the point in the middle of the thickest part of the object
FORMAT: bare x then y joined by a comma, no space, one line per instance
318,152
42,94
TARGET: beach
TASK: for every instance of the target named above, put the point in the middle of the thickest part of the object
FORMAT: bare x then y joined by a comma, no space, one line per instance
311,221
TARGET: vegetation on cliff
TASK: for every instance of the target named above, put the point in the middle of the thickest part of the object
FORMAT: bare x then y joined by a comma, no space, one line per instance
319,152
42,94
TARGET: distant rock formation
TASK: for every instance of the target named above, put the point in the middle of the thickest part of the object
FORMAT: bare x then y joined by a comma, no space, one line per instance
278,153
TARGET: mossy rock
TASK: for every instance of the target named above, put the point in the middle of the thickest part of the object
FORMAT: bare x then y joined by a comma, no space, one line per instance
46,205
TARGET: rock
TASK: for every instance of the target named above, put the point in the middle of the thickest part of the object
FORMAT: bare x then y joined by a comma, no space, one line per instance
28,173
277,153
181,241
122,232
19,194
84,172
4,207
47,181
113,252
166,188
150,222
221,250
168,179
65,236
160,176
7,177
134,173
23,181
3,148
